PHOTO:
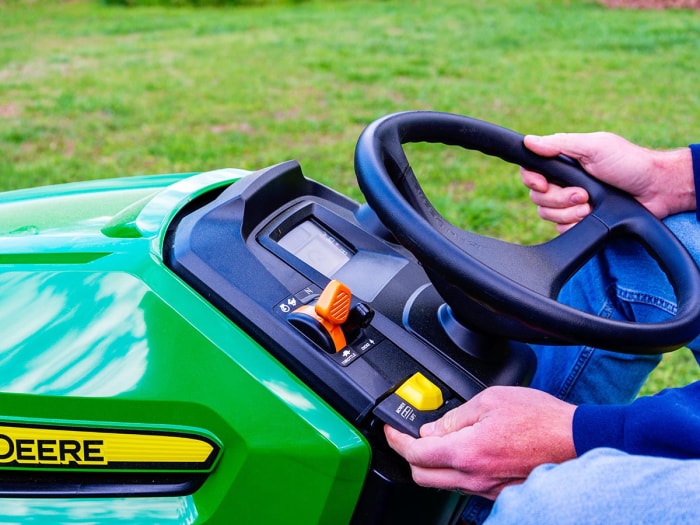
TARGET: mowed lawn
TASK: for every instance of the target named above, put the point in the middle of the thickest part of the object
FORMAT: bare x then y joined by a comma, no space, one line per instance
94,91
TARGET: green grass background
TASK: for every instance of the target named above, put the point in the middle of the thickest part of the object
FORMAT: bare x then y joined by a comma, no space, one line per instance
89,90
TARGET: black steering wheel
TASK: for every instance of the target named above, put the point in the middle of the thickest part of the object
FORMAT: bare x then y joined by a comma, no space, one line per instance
507,289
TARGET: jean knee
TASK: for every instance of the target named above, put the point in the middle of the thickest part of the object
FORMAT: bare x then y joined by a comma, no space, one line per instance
604,486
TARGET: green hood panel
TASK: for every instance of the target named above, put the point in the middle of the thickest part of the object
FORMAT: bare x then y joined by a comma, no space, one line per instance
98,332
81,206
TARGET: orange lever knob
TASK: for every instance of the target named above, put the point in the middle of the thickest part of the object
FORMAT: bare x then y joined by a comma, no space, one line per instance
332,309
333,305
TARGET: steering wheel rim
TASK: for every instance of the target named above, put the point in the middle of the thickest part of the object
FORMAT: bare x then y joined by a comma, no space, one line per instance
485,281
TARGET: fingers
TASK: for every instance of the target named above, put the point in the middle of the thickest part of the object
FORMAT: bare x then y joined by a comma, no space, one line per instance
440,478
451,479
434,463
544,193
399,441
493,440
563,206
437,447
534,180
430,452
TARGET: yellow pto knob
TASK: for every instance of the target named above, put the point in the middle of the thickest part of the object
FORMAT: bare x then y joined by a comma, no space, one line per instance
420,392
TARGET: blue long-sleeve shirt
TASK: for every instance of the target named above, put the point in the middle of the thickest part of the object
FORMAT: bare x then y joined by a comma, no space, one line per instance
666,424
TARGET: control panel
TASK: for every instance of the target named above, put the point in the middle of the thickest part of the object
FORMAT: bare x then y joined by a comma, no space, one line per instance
318,281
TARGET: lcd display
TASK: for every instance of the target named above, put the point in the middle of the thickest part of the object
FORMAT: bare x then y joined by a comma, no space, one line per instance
316,247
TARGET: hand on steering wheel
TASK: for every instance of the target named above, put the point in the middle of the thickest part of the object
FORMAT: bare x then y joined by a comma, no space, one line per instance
507,289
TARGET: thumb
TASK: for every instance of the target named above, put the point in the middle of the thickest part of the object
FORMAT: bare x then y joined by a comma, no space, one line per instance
580,146
548,145
457,418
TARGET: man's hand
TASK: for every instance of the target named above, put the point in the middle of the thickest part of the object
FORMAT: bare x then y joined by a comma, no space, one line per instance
492,441
660,180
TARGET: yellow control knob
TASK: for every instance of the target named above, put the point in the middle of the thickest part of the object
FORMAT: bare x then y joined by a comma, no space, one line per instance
420,392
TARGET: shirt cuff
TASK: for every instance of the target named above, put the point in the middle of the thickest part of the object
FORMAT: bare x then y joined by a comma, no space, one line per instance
599,426
695,154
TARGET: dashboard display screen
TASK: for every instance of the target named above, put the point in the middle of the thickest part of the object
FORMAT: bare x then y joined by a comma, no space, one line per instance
316,247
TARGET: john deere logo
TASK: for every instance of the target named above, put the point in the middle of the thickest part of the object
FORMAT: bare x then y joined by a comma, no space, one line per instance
61,447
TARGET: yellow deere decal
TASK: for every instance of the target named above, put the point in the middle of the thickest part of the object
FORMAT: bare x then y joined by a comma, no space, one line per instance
25,446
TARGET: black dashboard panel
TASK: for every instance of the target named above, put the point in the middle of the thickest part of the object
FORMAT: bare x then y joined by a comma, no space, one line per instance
269,245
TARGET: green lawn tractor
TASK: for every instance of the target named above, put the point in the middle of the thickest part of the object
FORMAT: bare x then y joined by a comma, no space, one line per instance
226,347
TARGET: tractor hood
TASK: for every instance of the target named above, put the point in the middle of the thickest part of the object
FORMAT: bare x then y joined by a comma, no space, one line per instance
117,380
108,208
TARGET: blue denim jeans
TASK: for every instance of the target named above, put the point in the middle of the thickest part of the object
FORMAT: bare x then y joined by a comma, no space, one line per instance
623,282
604,486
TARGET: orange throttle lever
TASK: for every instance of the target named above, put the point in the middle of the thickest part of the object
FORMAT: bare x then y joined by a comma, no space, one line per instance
330,311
